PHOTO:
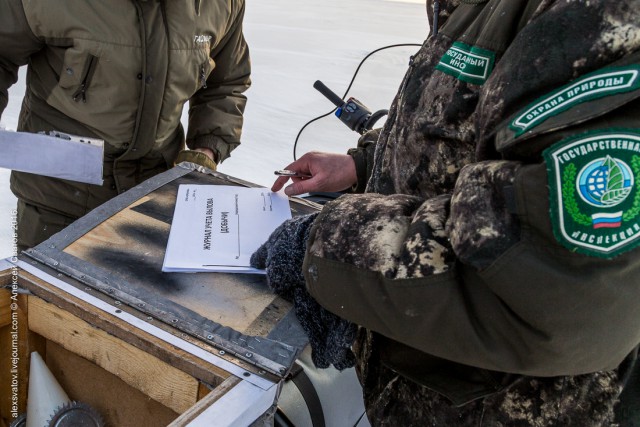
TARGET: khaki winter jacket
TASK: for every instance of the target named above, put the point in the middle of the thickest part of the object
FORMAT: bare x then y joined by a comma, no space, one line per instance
121,71
500,228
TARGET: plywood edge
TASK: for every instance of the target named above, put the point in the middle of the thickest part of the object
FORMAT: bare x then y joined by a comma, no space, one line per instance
5,307
188,416
5,276
6,296
16,343
143,371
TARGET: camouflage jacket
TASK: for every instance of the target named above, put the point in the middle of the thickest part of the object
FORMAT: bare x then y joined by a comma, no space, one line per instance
493,257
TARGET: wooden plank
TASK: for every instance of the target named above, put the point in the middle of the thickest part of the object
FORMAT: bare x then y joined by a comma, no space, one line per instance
5,277
17,341
6,394
5,311
155,378
186,362
119,404
188,416
243,405
107,233
203,390
24,349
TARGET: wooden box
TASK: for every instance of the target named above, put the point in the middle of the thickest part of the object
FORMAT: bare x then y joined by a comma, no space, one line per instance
145,348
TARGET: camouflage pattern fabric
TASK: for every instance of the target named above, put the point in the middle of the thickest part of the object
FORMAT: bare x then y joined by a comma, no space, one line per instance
438,193
397,235
393,400
481,227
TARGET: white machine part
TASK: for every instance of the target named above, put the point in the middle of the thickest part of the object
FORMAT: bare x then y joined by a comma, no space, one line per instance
337,401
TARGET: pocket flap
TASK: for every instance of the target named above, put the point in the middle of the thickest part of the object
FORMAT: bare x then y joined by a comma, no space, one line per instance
74,68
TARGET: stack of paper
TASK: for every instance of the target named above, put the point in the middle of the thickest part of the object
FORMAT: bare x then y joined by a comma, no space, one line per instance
218,227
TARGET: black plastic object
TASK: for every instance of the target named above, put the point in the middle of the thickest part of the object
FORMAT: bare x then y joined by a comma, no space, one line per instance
351,112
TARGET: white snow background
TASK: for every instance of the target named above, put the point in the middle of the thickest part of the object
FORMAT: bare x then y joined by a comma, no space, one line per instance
293,43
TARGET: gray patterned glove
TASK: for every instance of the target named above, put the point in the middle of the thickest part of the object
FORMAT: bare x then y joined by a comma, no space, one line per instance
282,256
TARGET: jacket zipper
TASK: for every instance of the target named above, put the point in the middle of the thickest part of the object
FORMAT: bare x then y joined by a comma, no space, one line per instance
81,93
203,77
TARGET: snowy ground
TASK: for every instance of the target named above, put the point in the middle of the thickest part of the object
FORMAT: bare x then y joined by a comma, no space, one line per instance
294,43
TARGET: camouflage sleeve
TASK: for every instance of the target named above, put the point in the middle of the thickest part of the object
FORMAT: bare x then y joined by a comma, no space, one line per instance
216,110
18,44
388,262
363,158
475,277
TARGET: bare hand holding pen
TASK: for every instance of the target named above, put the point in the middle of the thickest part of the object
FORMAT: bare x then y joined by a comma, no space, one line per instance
326,172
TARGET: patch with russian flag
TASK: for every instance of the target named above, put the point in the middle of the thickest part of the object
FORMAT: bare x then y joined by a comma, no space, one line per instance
594,197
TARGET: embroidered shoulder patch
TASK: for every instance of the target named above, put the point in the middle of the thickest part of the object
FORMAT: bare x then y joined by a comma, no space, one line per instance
595,200
604,82
470,64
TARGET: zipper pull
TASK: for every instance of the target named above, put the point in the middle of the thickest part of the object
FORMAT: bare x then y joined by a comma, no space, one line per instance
203,77
81,93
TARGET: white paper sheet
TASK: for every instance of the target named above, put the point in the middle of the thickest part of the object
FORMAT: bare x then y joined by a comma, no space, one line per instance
218,227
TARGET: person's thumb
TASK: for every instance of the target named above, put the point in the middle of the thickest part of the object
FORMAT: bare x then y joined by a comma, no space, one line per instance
299,187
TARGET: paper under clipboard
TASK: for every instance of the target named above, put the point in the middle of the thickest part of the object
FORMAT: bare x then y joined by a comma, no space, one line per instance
57,155
218,227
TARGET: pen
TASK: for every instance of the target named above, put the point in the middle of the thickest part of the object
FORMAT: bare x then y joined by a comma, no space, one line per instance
286,172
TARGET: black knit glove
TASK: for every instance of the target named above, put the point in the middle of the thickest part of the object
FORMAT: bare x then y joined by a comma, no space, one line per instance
282,256
283,253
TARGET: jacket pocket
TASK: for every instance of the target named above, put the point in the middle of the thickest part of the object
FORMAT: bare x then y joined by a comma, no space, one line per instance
78,64
460,384
89,69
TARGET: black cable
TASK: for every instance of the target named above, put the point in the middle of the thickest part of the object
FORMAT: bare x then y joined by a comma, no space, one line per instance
295,144
281,420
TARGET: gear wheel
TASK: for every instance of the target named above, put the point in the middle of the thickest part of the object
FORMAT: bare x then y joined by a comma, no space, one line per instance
21,421
75,414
